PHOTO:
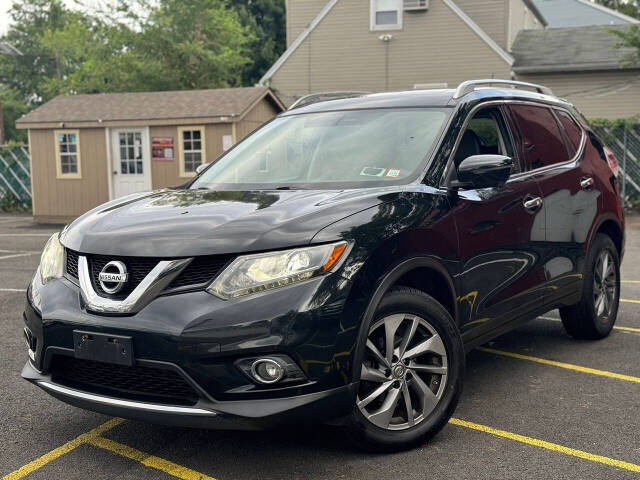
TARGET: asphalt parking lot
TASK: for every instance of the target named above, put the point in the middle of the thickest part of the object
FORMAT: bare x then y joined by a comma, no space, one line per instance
537,404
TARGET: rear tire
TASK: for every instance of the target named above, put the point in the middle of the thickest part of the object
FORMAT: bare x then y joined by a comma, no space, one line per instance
407,392
594,316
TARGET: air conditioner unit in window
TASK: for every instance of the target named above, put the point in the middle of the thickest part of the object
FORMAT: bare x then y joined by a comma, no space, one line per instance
416,5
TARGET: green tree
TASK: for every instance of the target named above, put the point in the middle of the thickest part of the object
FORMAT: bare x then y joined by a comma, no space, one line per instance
629,38
164,45
13,107
628,7
195,44
30,19
266,19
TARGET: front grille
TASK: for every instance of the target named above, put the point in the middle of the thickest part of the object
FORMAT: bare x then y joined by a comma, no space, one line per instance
72,263
137,268
201,270
198,273
133,383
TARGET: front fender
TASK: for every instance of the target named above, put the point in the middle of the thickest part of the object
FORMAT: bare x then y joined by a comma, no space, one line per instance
389,240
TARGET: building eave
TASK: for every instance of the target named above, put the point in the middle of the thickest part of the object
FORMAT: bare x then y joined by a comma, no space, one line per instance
329,6
583,67
481,33
536,11
297,42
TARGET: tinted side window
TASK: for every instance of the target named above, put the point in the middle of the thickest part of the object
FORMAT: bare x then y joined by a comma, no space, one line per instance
540,137
485,134
572,129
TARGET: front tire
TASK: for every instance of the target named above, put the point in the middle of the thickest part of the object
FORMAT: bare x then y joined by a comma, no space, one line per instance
594,316
411,373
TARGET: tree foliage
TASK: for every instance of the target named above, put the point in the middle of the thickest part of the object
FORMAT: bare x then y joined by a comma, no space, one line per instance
629,38
266,19
135,46
628,7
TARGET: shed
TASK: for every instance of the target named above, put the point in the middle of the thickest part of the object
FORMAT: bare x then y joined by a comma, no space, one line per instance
88,149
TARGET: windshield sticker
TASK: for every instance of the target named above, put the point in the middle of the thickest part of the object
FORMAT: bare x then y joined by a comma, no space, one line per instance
373,171
393,173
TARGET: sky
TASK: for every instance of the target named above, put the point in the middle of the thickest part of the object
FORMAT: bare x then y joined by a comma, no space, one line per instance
5,6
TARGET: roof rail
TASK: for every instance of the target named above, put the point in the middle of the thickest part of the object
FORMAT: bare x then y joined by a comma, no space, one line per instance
325,96
470,85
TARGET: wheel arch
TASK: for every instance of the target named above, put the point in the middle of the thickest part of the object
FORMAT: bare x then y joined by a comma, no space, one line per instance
404,271
610,226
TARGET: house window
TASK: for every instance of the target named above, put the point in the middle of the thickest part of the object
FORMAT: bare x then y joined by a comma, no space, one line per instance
67,154
386,14
192,150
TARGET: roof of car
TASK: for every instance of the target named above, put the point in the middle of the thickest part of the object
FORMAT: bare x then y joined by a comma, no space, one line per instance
421,99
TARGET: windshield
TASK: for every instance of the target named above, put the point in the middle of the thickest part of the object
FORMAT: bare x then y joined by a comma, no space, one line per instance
344,149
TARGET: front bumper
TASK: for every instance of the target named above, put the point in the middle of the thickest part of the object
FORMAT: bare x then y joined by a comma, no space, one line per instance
201,338
232,415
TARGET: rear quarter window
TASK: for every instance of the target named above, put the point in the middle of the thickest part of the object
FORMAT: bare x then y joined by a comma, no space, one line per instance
572,131
541,142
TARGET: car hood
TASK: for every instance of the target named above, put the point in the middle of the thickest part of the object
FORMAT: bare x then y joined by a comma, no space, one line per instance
179,222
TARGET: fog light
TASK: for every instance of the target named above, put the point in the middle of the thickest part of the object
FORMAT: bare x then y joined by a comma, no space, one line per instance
267,370
31,342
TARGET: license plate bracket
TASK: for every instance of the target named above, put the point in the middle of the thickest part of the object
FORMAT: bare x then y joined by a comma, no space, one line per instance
101,347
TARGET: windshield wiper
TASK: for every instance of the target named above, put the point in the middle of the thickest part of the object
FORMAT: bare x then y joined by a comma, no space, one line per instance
288,187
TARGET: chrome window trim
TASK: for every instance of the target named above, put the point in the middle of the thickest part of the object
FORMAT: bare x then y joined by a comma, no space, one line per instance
569,163
454,150
526,173
117,402
155,282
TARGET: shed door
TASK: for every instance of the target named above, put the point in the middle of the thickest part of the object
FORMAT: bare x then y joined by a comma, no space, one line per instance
131,162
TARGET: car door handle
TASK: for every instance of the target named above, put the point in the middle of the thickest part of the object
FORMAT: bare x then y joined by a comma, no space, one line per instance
586,183
532,203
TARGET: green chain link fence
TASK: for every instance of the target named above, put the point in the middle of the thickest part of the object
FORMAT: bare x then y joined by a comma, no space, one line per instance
15,179
623,138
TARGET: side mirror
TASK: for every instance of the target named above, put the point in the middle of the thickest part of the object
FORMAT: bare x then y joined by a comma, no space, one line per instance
200,168
483,171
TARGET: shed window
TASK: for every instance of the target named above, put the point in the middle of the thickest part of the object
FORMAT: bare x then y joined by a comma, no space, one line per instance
386,14
192,150
67,154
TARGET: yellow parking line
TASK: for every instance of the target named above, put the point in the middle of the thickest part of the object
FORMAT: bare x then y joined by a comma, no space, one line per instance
568,366
629,281
547,445
627,300
627,329
615,327
66,448
166,466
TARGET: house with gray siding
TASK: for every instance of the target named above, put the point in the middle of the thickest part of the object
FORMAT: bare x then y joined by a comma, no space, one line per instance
384,45
583,65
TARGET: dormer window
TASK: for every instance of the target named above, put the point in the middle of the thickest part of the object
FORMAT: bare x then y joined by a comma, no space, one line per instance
386,14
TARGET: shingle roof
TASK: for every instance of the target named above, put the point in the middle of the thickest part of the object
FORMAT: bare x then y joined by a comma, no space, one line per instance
578,13
567,49
147,106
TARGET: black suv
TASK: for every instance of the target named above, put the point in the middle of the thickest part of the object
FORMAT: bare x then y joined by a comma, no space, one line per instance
335,265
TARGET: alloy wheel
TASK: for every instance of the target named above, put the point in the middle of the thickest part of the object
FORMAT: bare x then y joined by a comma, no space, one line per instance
404,372
604,285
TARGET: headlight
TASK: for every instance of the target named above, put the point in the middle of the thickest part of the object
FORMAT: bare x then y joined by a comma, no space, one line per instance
256,273
34,292
52,260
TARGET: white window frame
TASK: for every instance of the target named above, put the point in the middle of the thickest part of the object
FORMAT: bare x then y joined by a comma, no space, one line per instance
59,174
374,27
191,128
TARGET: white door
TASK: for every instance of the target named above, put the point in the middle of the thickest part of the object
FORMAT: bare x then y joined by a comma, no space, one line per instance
131,161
